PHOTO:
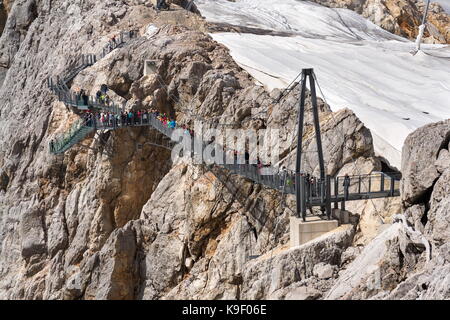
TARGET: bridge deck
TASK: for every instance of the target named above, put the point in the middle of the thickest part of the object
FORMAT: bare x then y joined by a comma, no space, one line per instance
378,185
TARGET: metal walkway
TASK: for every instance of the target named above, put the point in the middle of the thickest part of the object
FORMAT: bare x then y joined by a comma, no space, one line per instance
377,185
310,191
61,86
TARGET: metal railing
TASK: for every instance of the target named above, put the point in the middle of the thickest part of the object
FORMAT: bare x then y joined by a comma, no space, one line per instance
315,191
91,103
76,133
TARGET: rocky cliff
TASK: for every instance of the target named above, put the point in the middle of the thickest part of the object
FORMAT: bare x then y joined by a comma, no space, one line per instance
410,259
402,17
116,218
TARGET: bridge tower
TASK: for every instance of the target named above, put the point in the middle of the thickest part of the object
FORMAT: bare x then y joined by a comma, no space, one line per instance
300,180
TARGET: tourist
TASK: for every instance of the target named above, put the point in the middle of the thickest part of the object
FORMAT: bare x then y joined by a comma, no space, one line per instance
130,118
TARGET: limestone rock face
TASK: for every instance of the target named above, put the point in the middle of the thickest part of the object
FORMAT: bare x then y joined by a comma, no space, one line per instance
438,216
432,283
294,264
422,148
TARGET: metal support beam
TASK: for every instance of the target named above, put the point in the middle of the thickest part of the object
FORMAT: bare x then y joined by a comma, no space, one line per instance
303,197
325,190
317,124
298,164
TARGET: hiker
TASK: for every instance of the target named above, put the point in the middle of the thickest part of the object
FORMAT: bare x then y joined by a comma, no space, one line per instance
106,100
130,118
247,157
145,116
52,145
289,180
283,175
313,184
98,95
123,119
259,164
77,96
346,185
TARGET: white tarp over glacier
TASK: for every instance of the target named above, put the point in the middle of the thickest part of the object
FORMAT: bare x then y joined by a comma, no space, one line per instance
358,65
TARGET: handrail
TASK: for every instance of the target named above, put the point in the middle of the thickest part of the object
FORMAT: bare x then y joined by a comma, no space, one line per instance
66,140
282,180
61,89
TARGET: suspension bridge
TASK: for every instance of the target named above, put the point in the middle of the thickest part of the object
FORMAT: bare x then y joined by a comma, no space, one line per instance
310,192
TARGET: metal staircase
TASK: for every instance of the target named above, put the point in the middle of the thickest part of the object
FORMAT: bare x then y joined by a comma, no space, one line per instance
61,86
77,132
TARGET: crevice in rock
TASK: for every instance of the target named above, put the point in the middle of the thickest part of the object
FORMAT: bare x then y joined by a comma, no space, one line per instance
425,200
3,17
444,145
122,89
424,219
4,181
33,14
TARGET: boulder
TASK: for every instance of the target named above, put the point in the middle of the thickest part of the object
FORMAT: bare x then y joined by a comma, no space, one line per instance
323,271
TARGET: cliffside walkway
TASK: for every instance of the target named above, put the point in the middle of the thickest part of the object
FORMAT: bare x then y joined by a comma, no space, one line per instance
312,191
60,86
359,187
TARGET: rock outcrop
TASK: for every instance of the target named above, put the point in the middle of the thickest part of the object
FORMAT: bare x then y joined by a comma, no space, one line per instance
402,17
425,192
410,259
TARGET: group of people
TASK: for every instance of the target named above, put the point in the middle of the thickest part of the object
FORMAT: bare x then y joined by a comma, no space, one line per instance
141,117
102,97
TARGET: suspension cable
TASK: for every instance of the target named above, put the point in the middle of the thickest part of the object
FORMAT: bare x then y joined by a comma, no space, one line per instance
353,159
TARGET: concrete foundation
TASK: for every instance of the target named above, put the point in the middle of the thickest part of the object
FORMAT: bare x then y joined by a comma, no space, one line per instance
302,232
